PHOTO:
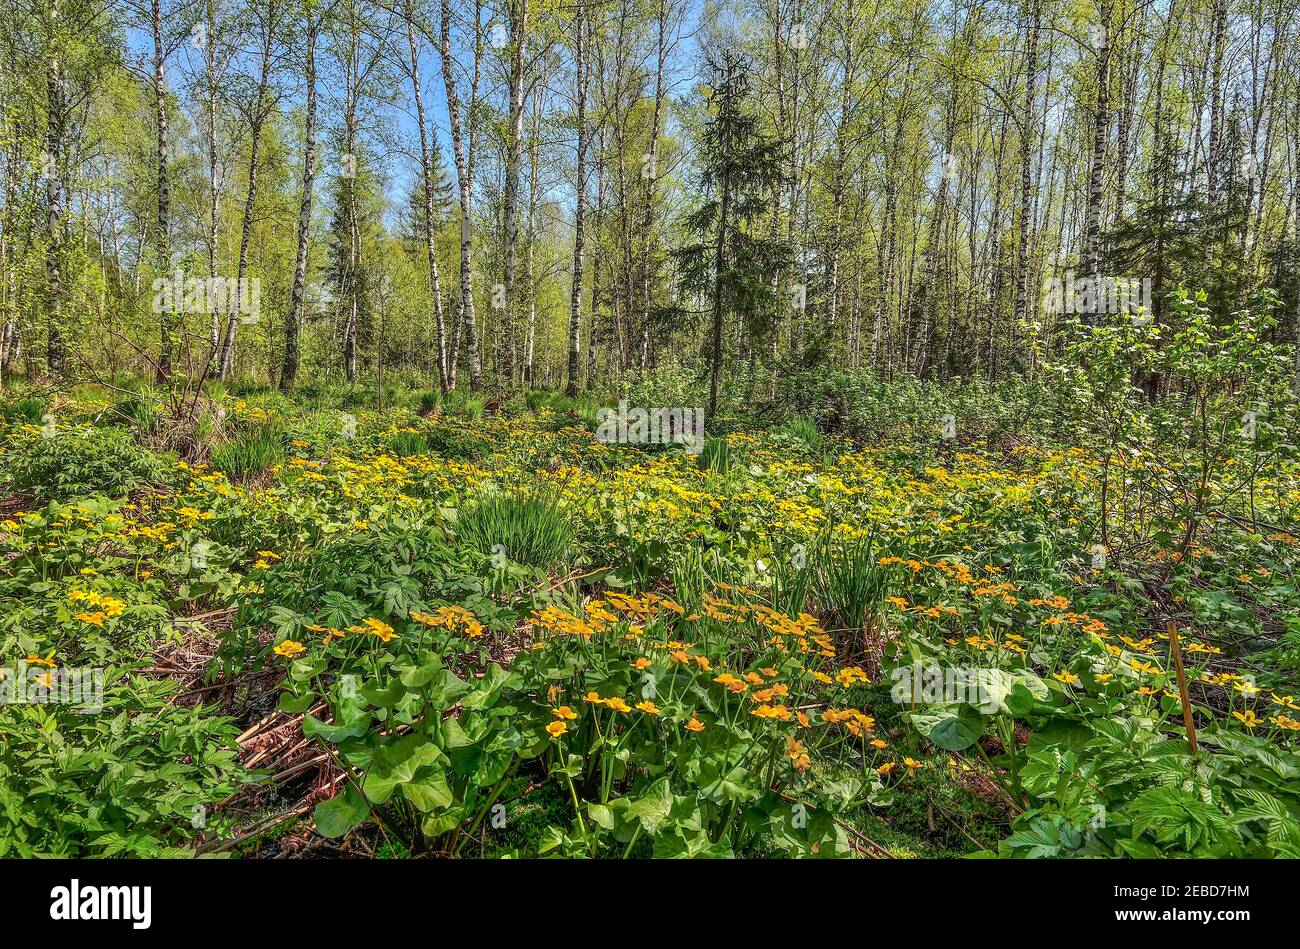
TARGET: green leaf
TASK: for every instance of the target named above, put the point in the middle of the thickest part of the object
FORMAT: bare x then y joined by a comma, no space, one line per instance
398,764
313,727
952,731
342,812
652,806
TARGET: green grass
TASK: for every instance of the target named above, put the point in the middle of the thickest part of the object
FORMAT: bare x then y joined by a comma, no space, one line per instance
716,456
531,531
248,455
403,444
849,584
428,401
800,428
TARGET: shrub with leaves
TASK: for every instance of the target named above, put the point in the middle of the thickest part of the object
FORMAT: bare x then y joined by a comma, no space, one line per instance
136,778
58,464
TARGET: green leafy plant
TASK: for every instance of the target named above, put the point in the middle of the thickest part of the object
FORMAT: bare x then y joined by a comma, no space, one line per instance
65,463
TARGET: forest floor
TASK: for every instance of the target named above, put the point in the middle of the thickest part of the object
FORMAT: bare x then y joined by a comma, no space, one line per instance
328,630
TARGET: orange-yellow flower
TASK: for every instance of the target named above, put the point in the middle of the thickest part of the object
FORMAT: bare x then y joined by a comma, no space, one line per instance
288,649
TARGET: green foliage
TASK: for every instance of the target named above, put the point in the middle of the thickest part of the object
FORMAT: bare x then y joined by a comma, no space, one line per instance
453,442
467,407
29,409
529,531
403,444
135,777
380,572
75,462
715,457
429,401
249,454
849,584
138,410
803,430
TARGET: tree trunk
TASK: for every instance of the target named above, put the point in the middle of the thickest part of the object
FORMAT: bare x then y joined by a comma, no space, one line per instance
1097,164
719,251
463,153
531,236
518,13
294,320
1027,127
580,208
256,118
53,171
426,170
162,224
1212,158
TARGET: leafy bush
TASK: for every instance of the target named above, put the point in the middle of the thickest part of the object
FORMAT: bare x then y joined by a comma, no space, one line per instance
381,572
455,442
29,409
132,779
77,462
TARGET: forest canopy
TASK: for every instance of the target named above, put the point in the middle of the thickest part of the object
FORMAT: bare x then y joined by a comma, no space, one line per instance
569,195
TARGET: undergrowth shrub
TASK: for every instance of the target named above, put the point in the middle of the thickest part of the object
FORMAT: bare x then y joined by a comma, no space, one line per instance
29,409
78,462
456,443
126,781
